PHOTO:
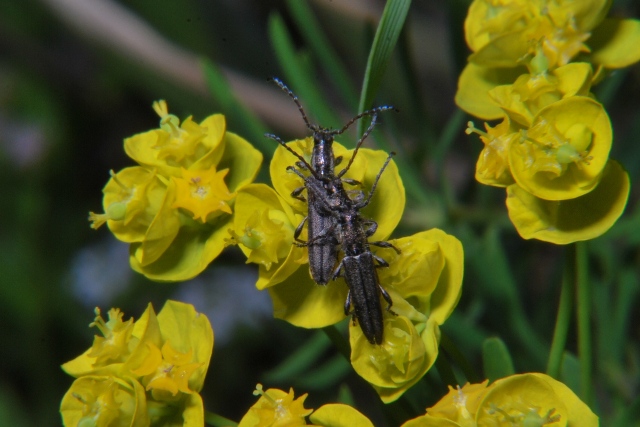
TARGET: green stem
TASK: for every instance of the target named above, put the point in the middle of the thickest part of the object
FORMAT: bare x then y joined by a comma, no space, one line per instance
218,420
564,315
583,297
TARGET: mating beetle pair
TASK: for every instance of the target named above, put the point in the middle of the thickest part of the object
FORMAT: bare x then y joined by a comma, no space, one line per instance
334,222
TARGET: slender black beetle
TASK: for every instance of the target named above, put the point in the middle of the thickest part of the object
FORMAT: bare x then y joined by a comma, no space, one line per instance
358,264
321,225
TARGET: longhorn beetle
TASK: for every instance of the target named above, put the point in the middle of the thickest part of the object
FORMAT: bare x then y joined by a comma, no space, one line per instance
358,264
322,242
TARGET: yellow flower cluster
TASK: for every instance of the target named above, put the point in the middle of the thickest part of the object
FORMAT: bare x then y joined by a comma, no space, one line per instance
424,281
174,208
525,400
551,148
140,373
277,408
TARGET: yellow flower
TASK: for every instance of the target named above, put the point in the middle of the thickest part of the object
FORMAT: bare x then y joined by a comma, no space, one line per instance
525,400
492,167
103,401
276,408
532,400
562,155
502,33
176,207
114,370
203,193
460,404
129,196
266,225
424,282
113,346
167,369
507,34
174,145
530,93
129,348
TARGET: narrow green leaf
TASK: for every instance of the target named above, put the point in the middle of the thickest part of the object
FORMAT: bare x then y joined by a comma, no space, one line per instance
326,375
304,358
299,72
623,308
562,318
254,129
584,317
218,420
327,56
570,372
492,268
384,42
345,396
496,360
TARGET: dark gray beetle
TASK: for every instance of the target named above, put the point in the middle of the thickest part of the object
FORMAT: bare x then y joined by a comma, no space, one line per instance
322,242
358,266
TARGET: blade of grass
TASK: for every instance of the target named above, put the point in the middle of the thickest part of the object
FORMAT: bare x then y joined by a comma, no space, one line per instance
304,358
254,129
564,316
384,42
583,296
496,359
218,420
314,36
298,74
492,267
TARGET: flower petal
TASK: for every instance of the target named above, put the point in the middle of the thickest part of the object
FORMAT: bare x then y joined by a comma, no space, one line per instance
616,43
339,415
302,302
474,85
568,221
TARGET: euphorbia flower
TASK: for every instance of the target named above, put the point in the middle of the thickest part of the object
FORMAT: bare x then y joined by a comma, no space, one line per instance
113,346
562,155
525,400
176,207
276,408
296,298
102,401
424,281
505,35
168,353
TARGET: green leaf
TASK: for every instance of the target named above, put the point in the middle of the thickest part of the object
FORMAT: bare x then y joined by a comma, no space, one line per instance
304,358
328,58
384,42
326,375
496,360
570,372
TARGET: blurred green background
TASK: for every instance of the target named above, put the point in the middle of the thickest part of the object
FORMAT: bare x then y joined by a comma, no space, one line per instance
78,76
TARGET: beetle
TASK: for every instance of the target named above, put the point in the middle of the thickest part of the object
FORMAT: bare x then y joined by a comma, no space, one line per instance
358,265
322,242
